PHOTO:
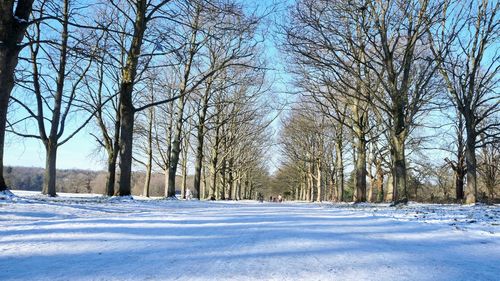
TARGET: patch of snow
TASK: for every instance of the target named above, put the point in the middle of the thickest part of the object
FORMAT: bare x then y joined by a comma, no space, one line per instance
7,195
91,237
118,199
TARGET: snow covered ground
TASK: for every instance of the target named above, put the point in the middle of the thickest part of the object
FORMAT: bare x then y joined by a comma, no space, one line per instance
75,237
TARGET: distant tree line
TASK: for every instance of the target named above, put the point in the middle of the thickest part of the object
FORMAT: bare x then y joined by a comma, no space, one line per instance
78,181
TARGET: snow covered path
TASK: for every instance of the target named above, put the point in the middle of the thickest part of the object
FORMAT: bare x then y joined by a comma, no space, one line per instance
99,239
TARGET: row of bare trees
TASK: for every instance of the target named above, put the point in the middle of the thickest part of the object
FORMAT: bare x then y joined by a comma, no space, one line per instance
157,81
377,75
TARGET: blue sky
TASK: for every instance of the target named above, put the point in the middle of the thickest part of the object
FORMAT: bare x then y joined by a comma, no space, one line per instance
77,153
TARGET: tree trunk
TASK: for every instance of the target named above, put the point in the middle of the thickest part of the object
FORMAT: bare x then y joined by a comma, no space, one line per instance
380,181
250,190
297,191
110,179
340,172
238,186
176,148
169,149
149,161
147,180
460,167
126,137
204,181
49,183
399,167
331,184
184,170
459,185
471,163
310,183
245,186
230,179
8,63
213,171
199,159
222,187
360,194
318,181
165,179
369,192
389,196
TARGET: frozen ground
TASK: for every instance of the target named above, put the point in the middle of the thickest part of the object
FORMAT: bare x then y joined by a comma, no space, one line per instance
93,238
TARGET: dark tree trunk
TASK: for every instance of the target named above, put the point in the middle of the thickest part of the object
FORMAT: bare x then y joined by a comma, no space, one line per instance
380,181
126,137
230,180
111,178
399,168
149,161
319,195
113,152
199,159
222,187
471,163
204,182
213,170
397,144
8,63
460,167
332,184
49,183
245,186
13,25
176,149
184,169
169,149
459,187
360,194
340,171
310,183
214,161
147,180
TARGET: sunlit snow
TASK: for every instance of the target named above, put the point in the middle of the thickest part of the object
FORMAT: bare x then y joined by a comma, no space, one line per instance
74,237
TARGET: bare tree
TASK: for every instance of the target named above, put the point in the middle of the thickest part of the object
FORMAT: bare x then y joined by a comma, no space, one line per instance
56,99
145,12
464,44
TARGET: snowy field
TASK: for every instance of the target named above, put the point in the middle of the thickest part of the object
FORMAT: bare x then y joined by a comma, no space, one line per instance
75,237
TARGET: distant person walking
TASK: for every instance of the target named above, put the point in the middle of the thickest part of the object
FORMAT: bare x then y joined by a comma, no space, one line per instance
189,195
